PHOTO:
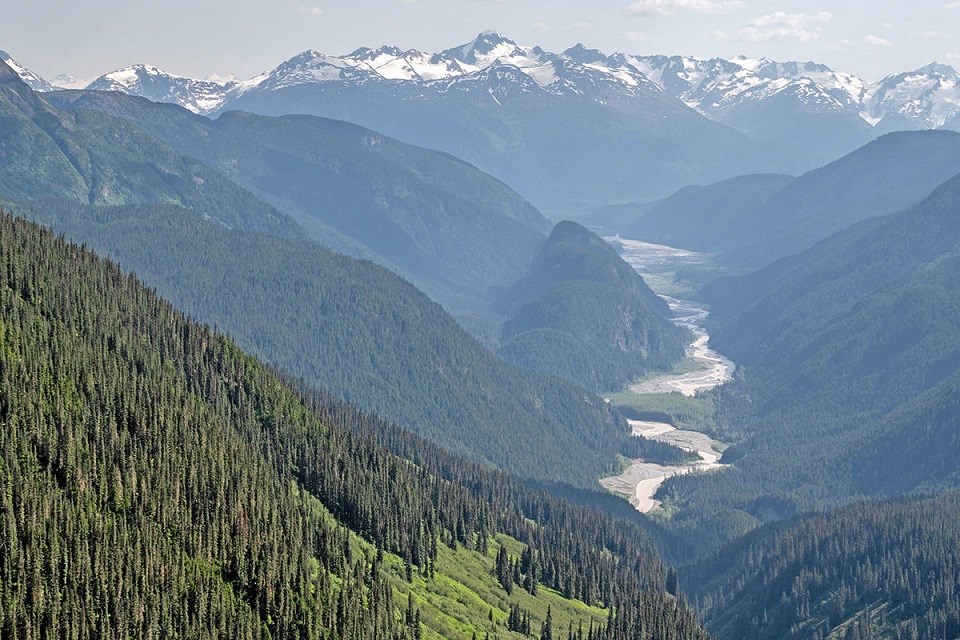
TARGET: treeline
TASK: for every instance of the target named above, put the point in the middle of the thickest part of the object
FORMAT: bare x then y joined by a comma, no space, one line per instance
156,481
872,570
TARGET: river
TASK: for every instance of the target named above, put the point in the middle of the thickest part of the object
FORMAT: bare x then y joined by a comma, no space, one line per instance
706,369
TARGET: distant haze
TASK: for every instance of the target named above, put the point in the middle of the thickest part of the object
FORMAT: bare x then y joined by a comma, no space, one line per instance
245,37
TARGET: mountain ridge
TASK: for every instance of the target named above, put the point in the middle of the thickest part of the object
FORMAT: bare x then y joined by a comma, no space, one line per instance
712,86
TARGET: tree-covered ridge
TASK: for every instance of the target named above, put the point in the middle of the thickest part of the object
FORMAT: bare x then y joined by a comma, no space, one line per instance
156,481
871,570
359,332
848,364
95,158
584,314
451,229
707,218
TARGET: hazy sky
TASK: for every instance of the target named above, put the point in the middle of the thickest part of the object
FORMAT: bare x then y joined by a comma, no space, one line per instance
243,37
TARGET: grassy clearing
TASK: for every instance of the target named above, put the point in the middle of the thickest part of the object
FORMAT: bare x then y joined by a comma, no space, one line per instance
666,284
459,600
463,594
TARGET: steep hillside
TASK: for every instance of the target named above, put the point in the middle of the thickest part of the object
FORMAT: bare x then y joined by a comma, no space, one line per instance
95,158
873,570
886,176
452,230
585,315
358,331
703,218
156,480
753,220
849,359
295,304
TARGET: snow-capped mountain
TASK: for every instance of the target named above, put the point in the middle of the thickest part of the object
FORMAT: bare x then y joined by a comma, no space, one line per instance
500,105
33,80
200,96
486,56
926,98
716,86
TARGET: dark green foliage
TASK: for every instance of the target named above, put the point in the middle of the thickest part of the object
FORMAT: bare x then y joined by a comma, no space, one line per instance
519,620
156,481
451,229
546,629
872,570
585,315
656,451
360,332
849,361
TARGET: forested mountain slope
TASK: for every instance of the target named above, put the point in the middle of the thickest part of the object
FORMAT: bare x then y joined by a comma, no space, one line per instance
702,218
452,230
156,481
584,314
358,331
751,221
872,570
339,323
94,158
895,171
848,364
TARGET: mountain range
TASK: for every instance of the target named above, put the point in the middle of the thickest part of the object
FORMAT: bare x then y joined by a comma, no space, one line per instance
358,192
157,478
475,101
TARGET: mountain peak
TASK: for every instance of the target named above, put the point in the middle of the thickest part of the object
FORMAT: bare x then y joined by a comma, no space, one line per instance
487,45
7,74
582,55
486,41
366,53
308,56
32,80
750,64
938,68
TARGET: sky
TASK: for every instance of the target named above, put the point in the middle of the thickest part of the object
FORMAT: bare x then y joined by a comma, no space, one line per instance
87,38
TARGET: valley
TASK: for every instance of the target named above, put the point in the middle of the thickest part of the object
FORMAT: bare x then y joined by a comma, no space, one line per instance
368,346
702,369
641,480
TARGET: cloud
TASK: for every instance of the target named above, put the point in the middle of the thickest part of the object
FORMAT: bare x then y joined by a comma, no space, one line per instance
876,41
800,27
952,5
311,11
719,36
668,7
